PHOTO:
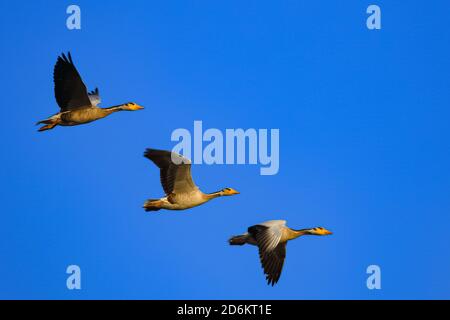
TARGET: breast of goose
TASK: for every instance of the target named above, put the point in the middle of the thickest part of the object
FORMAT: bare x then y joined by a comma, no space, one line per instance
189,199
84,115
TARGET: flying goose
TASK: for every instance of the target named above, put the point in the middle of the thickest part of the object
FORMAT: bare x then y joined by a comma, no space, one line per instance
176,180
77,105
271,238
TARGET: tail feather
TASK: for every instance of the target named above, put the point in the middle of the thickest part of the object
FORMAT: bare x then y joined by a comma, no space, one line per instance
238,240
47,127
152,205
50,123
46,121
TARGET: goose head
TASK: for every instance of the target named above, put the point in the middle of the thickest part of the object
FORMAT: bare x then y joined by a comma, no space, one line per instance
319,231
131,106
229,192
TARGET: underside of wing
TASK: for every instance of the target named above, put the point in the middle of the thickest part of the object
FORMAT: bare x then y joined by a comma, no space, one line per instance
272,262
266,237
70,91
274,223
271,251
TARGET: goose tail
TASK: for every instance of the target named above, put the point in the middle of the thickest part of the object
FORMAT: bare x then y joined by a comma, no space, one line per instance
238,240
152,205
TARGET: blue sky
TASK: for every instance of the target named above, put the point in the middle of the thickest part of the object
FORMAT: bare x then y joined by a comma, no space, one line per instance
364,148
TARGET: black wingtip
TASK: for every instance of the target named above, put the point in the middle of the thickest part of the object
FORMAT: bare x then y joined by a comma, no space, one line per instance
65,58
94,92
148,152
271,282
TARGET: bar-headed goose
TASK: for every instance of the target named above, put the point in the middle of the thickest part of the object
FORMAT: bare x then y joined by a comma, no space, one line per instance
176,180
271,238
77,105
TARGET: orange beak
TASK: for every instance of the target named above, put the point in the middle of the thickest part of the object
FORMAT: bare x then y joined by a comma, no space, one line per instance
232,191
323,232
137,107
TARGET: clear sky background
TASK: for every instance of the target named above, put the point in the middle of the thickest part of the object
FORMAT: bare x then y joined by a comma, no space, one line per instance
364,151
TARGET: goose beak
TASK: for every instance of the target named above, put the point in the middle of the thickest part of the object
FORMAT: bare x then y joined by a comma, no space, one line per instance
321,231
137,107
230,191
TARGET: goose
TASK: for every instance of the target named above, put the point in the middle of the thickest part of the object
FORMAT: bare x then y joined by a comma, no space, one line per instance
271,238
78,106
176,180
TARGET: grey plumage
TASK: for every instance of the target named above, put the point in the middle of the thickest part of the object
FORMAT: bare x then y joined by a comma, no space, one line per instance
77,106
271,238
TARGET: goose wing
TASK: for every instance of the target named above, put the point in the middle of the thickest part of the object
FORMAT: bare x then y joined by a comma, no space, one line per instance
70,91
175,171
272,253
94,97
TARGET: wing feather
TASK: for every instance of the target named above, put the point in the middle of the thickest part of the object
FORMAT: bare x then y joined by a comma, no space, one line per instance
273,262
70,91
175,171
271,252
94,97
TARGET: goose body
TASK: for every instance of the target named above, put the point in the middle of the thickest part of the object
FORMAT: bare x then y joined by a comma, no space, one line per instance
271,238
76,104
179,201
176,180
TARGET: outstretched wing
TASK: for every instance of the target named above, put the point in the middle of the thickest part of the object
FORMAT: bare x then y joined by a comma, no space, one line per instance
273,262
271,252
70,91
94,97
175,171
